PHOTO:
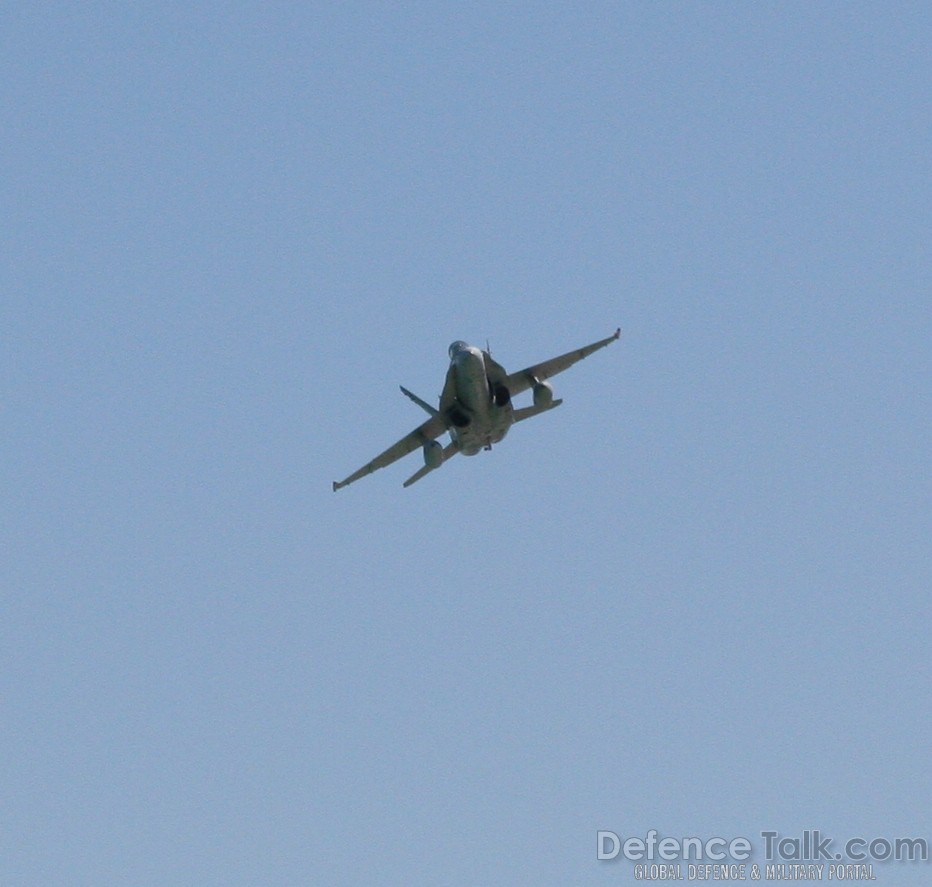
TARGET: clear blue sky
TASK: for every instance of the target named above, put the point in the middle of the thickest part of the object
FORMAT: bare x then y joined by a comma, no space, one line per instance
695,598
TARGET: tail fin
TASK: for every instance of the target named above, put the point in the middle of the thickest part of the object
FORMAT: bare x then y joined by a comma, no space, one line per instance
426,407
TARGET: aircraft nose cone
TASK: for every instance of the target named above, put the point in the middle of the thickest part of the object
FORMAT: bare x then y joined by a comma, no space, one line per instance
466,354
455,347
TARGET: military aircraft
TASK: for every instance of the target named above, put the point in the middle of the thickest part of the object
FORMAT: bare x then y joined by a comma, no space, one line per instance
475,407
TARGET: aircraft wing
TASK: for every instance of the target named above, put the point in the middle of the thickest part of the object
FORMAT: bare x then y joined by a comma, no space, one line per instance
524,379
430,430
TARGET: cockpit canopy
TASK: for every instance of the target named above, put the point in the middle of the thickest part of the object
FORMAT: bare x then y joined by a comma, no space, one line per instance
458,345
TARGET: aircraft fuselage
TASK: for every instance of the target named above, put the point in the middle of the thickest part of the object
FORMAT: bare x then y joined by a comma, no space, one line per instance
479,420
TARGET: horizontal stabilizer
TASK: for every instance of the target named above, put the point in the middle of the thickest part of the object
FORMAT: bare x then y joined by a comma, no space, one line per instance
528,412
449,450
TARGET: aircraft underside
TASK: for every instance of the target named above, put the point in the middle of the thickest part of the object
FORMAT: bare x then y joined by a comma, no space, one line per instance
475,407
481,413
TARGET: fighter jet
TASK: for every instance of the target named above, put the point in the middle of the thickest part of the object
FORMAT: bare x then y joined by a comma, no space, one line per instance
475,407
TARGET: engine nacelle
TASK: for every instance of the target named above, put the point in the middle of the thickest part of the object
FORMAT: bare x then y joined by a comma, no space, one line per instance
433,454
543,394
459,418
